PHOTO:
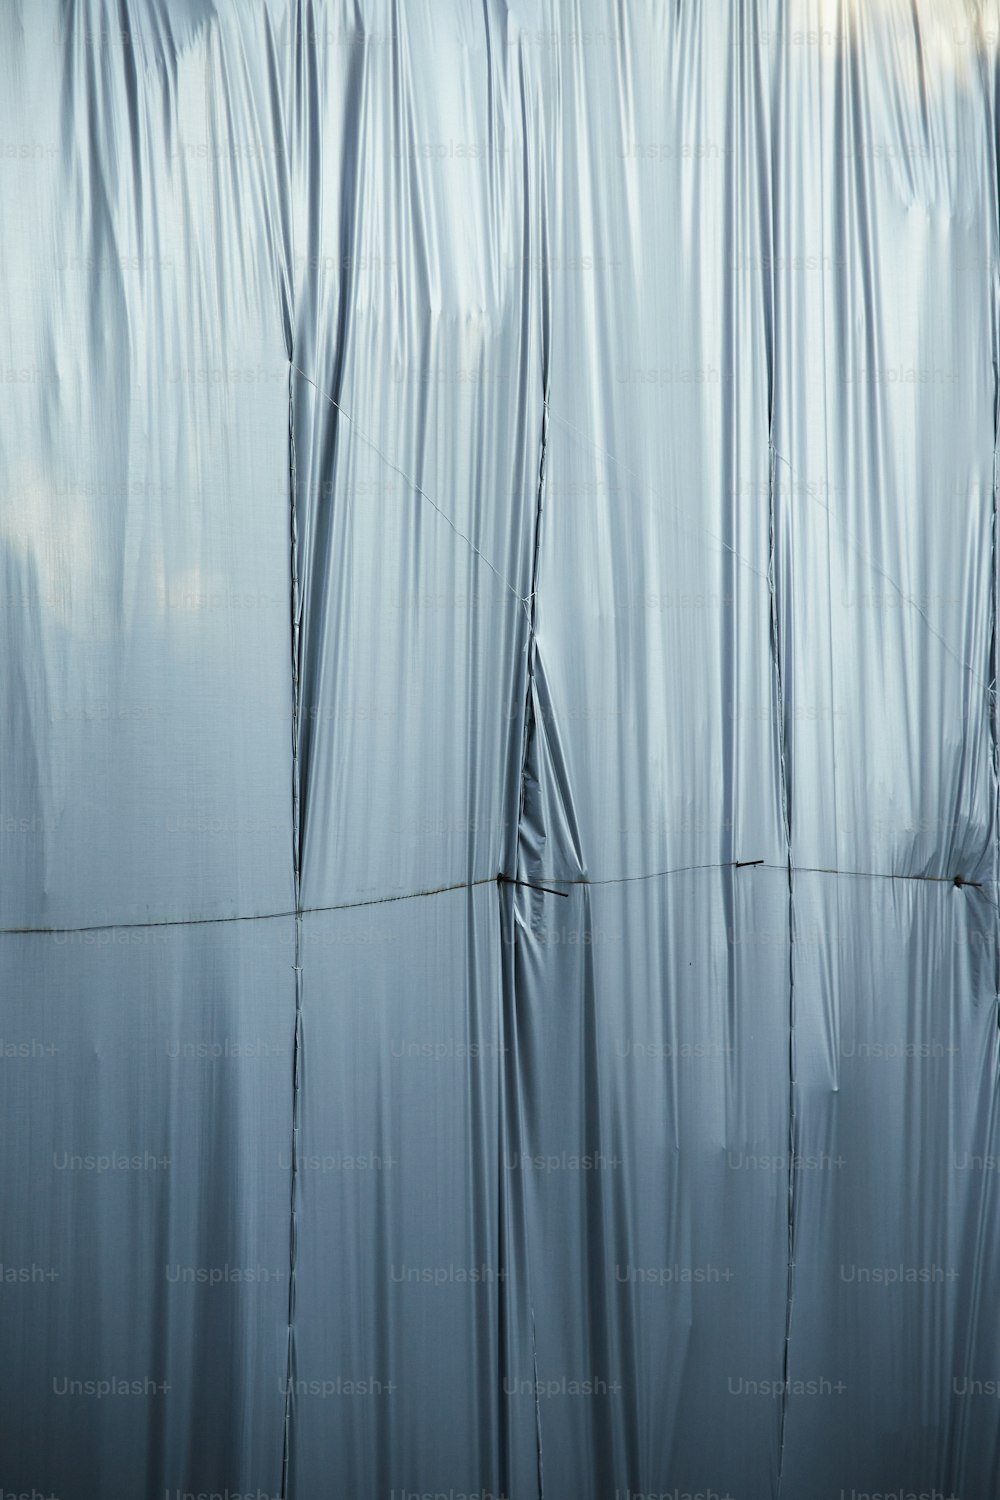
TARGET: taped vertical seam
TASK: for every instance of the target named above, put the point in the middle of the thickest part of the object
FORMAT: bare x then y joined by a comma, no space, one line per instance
297,967
779,692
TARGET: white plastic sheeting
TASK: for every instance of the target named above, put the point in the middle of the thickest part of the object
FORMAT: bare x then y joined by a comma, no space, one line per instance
499,810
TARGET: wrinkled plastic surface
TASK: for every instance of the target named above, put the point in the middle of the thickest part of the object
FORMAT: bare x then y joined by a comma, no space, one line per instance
545,440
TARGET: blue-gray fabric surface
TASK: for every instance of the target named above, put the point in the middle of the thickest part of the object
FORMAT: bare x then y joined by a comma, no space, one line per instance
499,806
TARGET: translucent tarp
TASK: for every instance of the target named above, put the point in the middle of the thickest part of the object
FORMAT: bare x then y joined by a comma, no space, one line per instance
499,799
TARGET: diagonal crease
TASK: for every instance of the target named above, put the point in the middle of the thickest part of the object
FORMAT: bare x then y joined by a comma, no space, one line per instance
414,485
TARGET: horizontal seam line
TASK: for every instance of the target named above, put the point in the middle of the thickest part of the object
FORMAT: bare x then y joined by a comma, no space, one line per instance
266,916
468,885
763,865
